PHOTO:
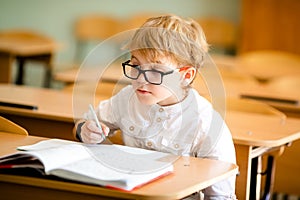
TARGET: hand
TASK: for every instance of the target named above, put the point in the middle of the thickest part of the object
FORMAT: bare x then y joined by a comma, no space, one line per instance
92,134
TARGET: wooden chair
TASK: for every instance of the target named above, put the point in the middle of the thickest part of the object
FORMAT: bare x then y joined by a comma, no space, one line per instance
89,30
230,78
10,127
265,65
285,83
93,28
253,106
137,20
221,34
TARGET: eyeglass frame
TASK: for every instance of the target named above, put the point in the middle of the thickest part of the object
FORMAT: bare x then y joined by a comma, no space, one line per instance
141,71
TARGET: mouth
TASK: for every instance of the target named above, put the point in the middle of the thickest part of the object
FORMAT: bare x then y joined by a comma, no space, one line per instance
142,91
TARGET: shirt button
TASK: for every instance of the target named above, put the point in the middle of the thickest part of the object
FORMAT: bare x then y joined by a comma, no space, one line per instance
176,146
149,144
161,110
158,120
131,128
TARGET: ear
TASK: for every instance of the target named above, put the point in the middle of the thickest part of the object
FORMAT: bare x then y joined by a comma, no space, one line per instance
189,74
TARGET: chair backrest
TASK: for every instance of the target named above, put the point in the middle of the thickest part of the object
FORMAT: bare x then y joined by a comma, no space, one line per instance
221,34
230,79
265,65
93,28
137,20
253,106
284,83
10,127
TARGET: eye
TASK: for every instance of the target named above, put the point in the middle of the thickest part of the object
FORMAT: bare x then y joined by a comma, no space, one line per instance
162,68
133,64
154,67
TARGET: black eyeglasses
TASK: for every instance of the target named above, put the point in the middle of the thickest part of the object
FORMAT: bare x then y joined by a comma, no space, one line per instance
151,76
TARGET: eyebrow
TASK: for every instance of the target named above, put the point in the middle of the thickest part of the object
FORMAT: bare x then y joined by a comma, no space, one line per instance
157,61
133,57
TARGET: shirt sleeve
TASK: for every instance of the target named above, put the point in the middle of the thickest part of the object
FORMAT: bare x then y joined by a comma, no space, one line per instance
109,111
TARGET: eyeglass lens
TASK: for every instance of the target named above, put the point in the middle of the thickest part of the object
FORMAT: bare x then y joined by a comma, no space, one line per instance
150,76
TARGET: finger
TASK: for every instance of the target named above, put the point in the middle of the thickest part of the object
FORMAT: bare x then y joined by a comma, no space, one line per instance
96,137
92,138
93,127
105,130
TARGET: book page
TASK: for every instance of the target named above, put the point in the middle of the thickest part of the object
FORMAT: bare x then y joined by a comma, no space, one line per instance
93,172
54,153
46,144
130,160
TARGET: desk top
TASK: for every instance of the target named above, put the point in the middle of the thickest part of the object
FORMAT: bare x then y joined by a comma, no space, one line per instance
262,130
199,174
26,43
52,104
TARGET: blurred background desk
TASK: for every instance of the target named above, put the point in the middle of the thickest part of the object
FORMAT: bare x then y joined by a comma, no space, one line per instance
23,46
54,116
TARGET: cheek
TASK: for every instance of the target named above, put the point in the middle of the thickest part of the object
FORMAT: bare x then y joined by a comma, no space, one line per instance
161,91
173,84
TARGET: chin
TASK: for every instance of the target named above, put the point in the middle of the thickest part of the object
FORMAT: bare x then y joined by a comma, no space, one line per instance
146,101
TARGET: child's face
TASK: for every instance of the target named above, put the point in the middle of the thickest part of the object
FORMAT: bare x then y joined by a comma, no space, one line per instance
167,93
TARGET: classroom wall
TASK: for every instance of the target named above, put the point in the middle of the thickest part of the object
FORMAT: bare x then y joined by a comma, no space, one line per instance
56,17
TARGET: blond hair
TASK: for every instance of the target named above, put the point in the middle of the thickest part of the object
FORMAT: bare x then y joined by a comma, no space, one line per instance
181,40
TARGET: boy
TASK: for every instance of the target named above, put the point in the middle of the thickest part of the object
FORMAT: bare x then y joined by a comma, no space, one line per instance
160,110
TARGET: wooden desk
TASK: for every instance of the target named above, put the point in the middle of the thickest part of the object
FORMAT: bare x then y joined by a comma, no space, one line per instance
287,170
23,46
185,180
55,115
255,135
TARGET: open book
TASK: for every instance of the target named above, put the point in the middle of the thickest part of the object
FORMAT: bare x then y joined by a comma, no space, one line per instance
113,166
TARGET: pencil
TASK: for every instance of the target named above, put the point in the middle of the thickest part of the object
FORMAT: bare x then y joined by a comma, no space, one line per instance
95,118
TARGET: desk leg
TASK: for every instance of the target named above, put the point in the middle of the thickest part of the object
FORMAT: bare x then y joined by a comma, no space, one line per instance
270,173
253,182
269,178
20,71
6,61
48,71
243,154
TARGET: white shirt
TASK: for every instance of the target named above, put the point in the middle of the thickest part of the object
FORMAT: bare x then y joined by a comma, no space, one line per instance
190,127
